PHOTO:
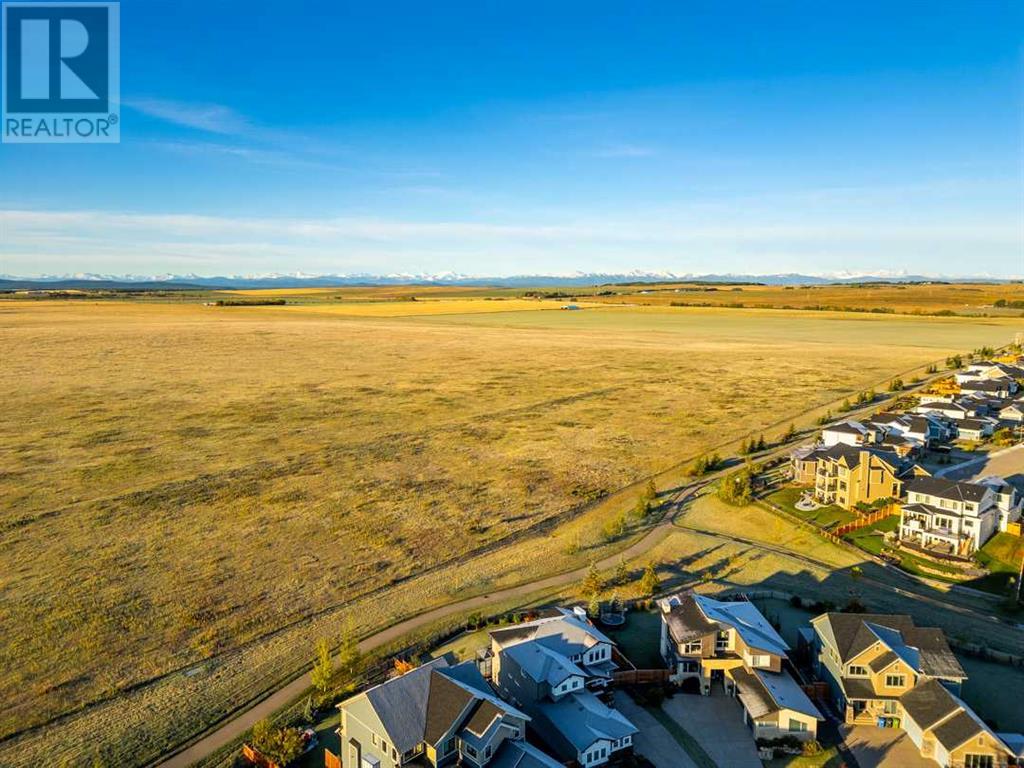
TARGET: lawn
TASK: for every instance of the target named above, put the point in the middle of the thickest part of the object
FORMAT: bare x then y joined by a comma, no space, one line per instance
1002,555
870,538
221,483
828,758
465,645
827,517
639,639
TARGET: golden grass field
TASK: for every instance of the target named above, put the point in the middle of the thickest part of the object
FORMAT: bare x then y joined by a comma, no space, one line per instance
178,481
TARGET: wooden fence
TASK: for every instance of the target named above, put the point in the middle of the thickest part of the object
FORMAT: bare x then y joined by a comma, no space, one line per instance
863,521
641,676
331,760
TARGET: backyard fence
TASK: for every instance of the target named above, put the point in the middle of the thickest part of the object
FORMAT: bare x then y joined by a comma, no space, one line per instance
331,760
641,677
863,521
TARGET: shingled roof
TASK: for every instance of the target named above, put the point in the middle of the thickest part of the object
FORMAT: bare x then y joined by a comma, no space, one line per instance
947,489
924,649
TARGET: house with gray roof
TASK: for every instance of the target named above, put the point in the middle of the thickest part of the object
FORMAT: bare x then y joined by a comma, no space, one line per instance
711,642
557,670
871,660
436,715
948,731
954,519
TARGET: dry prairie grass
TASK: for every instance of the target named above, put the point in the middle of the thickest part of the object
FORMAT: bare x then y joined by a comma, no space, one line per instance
911,298
178,481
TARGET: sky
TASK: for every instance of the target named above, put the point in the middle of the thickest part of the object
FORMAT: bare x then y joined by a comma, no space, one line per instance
501,138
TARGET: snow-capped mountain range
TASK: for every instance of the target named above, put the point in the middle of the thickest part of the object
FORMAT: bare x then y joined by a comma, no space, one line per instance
301,279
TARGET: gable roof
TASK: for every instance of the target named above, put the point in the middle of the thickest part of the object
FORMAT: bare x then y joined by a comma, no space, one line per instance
947,489
924,649
929,703
428,702
542,664
847,428
766,692
690,616
563,633
520,754
582,719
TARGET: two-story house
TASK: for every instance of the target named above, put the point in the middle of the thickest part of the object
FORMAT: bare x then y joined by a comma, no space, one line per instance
849,476
436,715
883,670
852,433
954,411
557,669
948,518
713,641
870,660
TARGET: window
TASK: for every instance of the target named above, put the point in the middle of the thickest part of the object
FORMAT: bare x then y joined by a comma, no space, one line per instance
889,707
895,681
722,641
449,746
692,647
797,726
857,671
979,761
470,750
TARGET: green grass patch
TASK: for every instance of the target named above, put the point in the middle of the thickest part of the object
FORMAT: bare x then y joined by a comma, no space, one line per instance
870,538
829,758
639,639
830,516
1002,555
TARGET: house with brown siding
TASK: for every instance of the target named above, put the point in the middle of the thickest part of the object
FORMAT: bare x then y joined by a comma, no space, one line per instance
729,643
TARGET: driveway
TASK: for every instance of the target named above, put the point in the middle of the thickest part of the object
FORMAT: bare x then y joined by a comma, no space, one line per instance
716,722
653,741
883,748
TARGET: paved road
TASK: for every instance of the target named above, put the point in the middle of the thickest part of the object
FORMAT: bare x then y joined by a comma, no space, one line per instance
1008,463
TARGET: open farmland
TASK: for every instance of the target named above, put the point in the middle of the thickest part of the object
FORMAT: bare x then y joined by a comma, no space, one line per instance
179,480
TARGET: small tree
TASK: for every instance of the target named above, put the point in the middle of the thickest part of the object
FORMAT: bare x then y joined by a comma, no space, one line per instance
737,488
621,572
323,670
592,584
761,443
642,508
790,433
649,582
613,529
350,658
650,492
594,607
309,710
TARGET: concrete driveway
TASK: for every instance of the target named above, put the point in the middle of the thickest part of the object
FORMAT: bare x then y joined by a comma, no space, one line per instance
716,722
883,748
653,741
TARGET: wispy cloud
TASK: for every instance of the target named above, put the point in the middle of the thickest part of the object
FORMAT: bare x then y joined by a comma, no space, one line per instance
214,118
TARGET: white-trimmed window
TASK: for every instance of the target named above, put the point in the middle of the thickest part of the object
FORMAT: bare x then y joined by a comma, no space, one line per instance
895,681
856,670
797,726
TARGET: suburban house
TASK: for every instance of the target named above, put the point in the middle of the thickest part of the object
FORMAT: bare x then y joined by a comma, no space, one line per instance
929,429
436,715
952,410
555,668
803,463
1001,387
883,670
946,730
975,429
947,518
849,476
852,433
1013,412
711,642
870,660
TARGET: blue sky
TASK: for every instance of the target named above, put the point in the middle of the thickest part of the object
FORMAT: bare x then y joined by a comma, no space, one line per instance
508,138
